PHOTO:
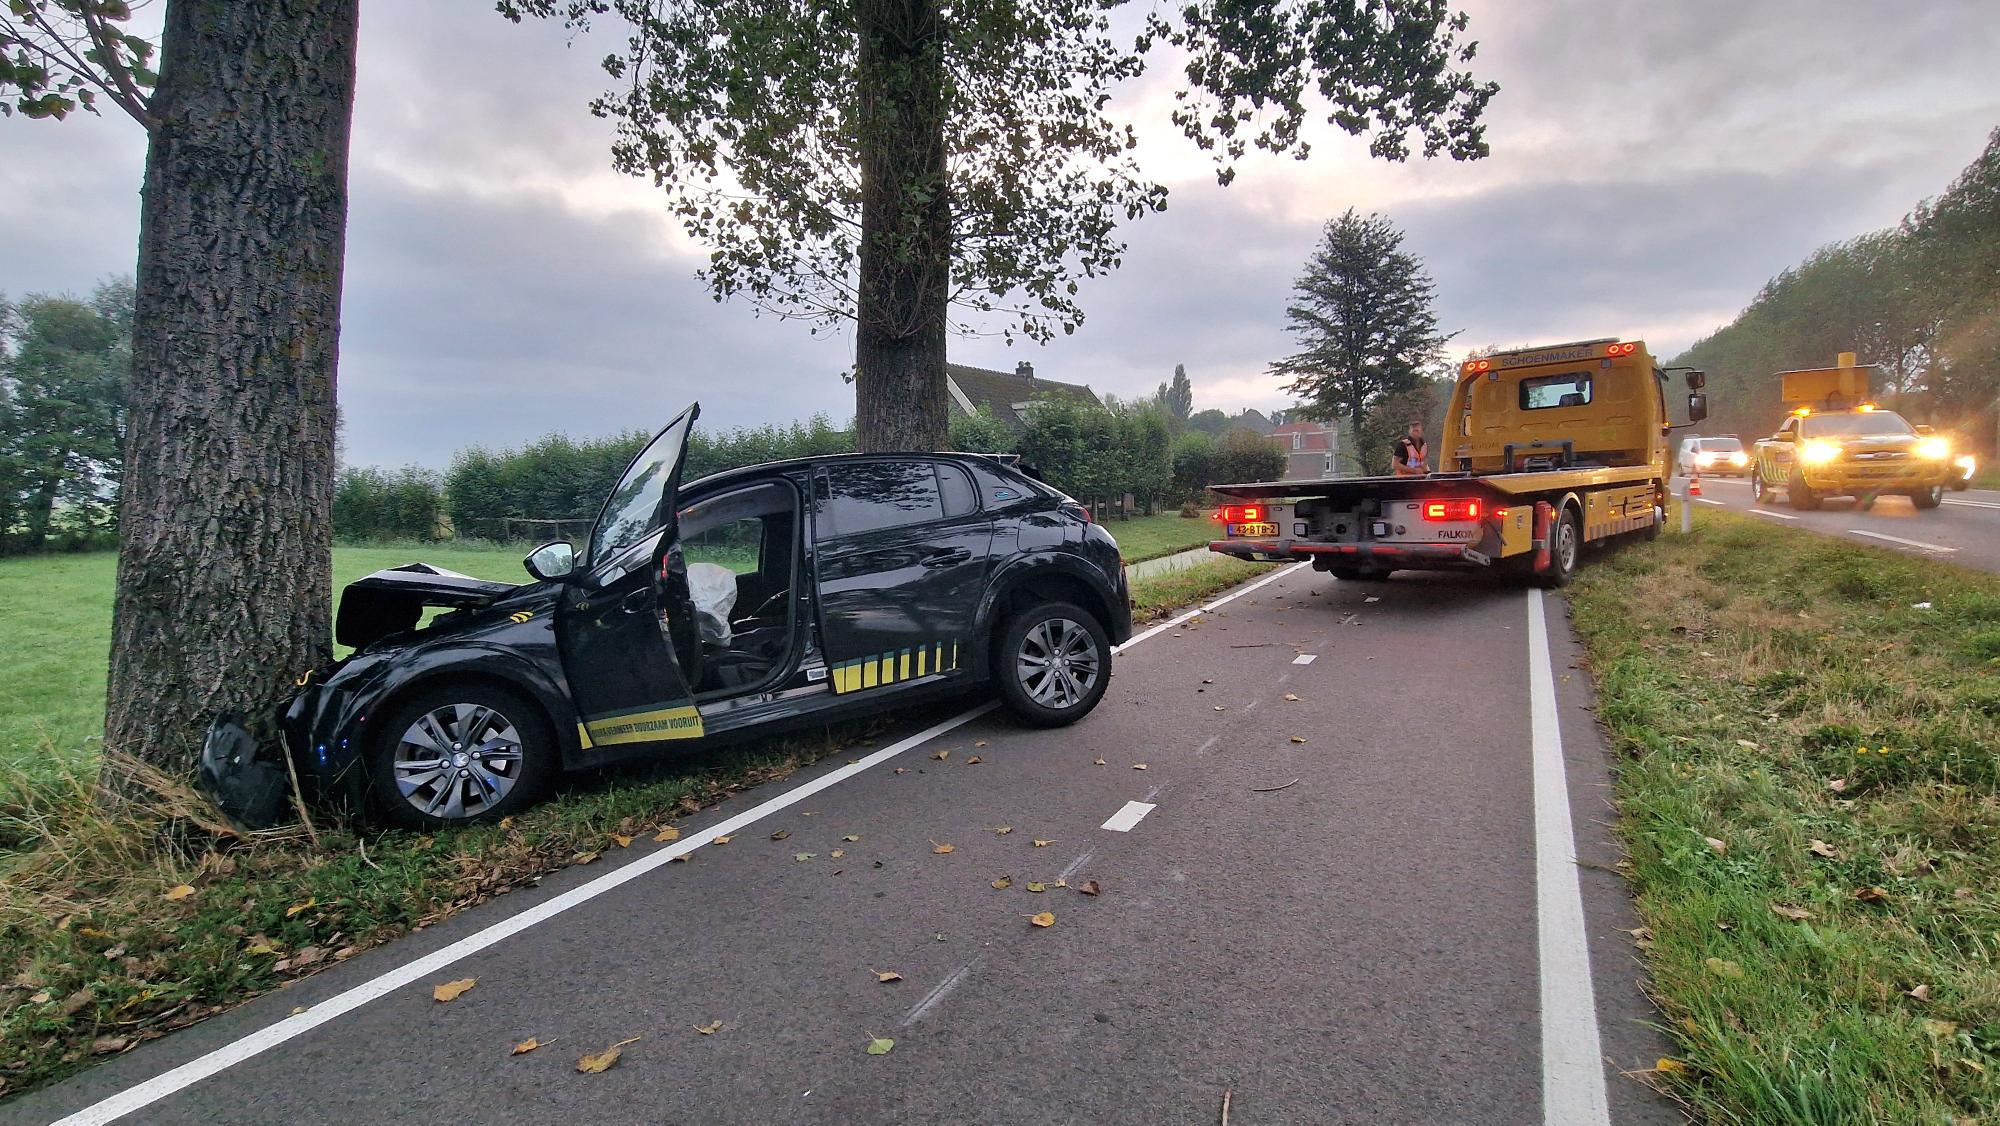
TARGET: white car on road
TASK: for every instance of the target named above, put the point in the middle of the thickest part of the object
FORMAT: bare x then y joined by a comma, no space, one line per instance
1715,457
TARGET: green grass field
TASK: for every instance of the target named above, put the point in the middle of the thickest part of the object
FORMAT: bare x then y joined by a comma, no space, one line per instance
55,633
1149,537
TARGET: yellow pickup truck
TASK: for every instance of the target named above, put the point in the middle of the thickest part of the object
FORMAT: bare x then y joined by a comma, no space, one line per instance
1837,443
1546,449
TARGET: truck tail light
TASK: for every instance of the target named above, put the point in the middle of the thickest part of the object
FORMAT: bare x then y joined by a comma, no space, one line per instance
1453,510
1241,513
1620,349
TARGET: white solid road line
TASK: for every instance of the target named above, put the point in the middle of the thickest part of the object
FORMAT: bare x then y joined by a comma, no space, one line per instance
1900,540
1572,1055
1971,503
1133,813
1705,500
1771,514
270,1036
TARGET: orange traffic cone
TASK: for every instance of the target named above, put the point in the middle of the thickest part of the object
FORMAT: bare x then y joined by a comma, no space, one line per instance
1694,484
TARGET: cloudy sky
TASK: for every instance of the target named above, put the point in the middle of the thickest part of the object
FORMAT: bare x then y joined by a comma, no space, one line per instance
1652,165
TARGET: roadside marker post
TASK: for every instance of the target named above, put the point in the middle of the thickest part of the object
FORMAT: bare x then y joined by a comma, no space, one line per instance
1684,490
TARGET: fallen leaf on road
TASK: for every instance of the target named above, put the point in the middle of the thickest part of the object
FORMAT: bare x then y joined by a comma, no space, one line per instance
311,955
451,990
942,755
683,858
1043,844
1089,887
1292,696
1219,707
602,1061
709,1029
1298,738
1037,886
1720,846
974,761
583,857
851,837
722,840
802,857
1820,848
294,909
886,976
105,1045
1138,766
781,834
837,853
880,1045
1002,830
1791,912
1043,919
623,840
181,891
1003,883
667,834
1207,681
942,849
900,770
1097,762
1871,894
980,743
526,1046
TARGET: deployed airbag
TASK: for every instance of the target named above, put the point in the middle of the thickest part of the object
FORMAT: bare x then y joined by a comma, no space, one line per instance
713,588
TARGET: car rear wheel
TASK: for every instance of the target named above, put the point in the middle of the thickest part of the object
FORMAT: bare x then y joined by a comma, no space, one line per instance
1928,498
460,753
1052,663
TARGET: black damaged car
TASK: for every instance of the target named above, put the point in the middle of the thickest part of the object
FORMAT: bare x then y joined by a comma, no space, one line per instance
792,592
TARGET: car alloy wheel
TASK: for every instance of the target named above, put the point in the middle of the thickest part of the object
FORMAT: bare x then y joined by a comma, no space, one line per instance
1058,663
457,761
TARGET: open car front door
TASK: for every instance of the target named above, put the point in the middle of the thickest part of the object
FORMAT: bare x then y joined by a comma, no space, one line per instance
625,623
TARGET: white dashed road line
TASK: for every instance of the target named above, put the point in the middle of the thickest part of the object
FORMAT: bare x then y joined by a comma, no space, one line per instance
1133,813
1971,503
1771,514
1717,503
1900,540
1305,658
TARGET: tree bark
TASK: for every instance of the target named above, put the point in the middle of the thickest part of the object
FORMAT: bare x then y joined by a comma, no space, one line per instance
225,543
899,339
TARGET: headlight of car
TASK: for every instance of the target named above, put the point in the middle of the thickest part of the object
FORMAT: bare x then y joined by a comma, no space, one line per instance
1934,448
1819,453
1966,463
1739,459
1704,459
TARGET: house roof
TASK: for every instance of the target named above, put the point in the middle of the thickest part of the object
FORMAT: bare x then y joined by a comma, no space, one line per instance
1004,393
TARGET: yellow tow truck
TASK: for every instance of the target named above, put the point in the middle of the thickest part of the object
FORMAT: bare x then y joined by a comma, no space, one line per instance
1549,449
1835,442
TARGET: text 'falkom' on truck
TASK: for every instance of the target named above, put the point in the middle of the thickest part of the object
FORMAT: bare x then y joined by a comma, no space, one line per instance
1549,449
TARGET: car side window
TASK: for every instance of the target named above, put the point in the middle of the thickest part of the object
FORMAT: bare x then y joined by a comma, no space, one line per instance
853,497
956,487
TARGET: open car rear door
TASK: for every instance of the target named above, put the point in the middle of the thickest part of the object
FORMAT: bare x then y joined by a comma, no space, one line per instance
625,622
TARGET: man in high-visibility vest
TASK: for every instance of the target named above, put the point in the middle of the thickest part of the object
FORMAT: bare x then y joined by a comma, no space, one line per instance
1409,453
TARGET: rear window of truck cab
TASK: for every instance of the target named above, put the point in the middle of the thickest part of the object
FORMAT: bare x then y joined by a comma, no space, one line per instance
1569,389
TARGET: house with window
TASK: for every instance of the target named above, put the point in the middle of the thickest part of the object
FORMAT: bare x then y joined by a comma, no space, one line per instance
1312,449
1007,397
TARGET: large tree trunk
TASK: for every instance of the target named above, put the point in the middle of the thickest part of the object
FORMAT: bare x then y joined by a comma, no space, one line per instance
225,548
899,339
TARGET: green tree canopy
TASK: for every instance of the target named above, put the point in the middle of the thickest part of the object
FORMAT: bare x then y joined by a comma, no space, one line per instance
1177,396
1361,313
63,369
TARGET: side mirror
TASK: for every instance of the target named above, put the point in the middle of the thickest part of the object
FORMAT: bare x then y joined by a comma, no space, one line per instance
551,561
1697,380
1697,406
1926,428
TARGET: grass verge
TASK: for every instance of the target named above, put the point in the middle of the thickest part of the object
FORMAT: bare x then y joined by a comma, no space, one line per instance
1164,593
117,932
1150,537
1810,795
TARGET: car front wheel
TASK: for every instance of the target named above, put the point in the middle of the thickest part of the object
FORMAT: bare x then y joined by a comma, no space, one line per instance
1052,663
459,753
1928,498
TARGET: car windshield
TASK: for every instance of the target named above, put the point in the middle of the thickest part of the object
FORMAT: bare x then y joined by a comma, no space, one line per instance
1721,446
1866,424
632,511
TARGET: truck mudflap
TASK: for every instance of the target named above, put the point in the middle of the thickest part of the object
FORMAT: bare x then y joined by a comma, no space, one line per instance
1409,555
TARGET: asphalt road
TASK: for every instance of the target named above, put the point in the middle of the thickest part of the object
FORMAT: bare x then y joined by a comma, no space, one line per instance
1349,929
1965,531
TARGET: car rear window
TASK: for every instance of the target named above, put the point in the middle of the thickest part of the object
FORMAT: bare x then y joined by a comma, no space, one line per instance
959,497
865,496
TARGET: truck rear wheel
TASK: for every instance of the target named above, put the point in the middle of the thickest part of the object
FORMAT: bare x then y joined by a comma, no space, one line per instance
1801,494
1565,547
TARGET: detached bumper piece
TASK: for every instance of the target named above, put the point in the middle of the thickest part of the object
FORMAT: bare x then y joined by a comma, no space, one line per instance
248,790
